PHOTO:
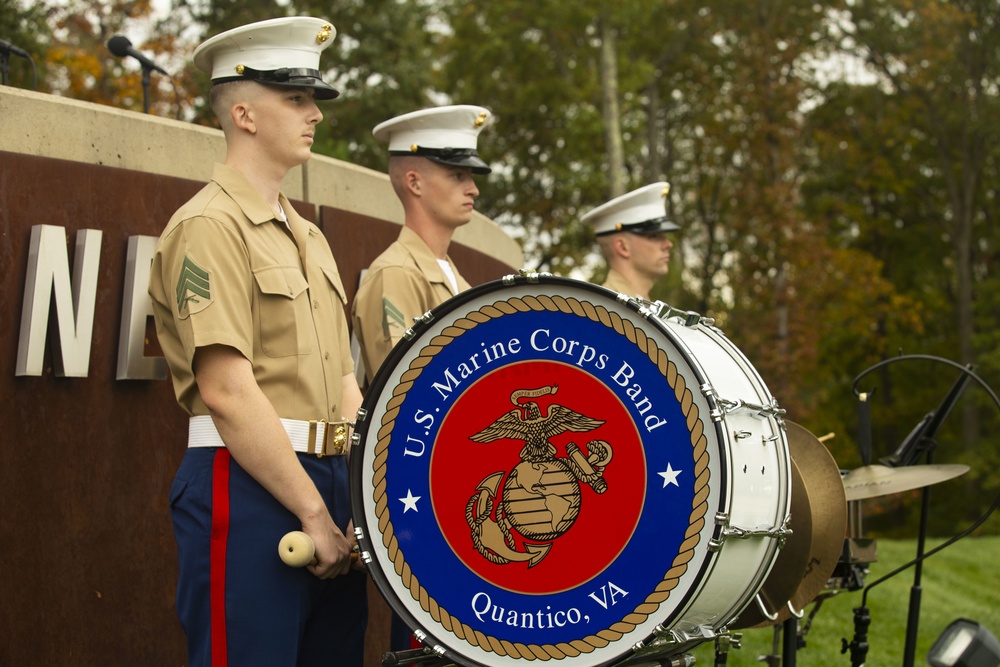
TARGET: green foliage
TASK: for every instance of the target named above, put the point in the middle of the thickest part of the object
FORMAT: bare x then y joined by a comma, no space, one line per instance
23,25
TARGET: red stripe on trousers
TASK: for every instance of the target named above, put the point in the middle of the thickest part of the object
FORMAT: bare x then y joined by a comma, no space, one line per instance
217,556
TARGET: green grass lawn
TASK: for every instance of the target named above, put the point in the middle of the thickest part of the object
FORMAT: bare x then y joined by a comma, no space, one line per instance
963,580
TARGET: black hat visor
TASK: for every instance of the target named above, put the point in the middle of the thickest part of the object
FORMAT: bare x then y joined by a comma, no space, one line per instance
288,77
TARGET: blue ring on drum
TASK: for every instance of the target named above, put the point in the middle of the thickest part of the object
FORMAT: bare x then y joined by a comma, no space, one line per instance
664,519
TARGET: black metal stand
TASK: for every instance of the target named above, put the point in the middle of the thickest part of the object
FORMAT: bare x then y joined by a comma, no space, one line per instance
916,591
4,67
790,643
920,441
859,644
145,88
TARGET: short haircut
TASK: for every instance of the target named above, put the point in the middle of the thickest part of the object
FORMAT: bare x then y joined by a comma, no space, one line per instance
398,166
223,96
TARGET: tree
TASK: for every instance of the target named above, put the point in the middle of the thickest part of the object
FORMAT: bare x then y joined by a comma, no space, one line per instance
24,27
942,58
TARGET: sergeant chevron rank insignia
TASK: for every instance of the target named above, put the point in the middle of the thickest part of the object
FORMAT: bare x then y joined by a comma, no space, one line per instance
193,288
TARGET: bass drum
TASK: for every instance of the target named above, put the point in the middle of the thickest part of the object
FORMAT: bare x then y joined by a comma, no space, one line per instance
548,470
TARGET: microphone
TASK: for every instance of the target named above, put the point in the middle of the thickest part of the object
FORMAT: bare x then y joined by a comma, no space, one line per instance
8,48
921,438
121,47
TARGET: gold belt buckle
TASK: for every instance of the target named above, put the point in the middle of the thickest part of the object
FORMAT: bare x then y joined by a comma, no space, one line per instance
334,438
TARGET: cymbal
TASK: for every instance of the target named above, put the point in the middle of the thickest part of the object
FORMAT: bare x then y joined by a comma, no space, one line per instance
829,513
818,523
878,480
791,562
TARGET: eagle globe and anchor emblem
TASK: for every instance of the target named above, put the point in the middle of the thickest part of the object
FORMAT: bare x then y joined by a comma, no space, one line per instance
540,499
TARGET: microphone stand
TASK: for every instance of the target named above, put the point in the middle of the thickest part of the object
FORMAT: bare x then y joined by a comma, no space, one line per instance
4,67
921,439
145,88
909,451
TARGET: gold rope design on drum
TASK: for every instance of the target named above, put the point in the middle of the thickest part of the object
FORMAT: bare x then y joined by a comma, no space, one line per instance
699,443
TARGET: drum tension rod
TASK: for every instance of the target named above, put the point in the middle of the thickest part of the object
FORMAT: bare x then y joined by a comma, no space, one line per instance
752,409
664,311
735,532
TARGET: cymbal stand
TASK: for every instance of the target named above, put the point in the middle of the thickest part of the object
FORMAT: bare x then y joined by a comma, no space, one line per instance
859,644
921,440
773,659
790,645
807,625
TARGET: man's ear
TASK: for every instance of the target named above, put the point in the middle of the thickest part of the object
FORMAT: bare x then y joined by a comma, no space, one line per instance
412,181
621,246
243,117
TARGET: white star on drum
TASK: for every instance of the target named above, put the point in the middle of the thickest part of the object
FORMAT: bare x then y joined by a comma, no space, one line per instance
409,502
670,476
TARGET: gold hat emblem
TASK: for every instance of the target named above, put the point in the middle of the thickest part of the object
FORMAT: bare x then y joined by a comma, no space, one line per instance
239,69
666,190
414,148
324,33
481,119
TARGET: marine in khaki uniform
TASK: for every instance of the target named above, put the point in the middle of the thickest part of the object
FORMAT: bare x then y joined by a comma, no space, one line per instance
432,165
248,305
631,231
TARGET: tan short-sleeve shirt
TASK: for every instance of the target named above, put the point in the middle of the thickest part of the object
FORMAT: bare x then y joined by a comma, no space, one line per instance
404,282
227,271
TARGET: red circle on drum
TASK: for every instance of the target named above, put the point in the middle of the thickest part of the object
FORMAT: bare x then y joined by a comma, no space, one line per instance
537,477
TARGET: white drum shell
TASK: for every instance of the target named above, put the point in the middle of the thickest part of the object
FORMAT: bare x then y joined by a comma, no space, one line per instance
756,470
750,479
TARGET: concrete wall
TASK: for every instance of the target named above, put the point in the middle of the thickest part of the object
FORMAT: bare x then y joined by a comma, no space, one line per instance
56,127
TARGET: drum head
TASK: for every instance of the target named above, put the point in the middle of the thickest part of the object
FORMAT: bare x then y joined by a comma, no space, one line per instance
536,476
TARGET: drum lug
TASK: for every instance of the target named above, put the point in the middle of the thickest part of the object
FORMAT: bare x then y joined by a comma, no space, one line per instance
664,311
532,277
361,416
660,651
714,411
422,636
722,521
359,535
426,318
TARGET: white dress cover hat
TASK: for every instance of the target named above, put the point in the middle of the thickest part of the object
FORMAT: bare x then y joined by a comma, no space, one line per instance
447,135
641,211
276,52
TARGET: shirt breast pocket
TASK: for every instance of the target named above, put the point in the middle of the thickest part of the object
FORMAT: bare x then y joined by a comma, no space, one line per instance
283,313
